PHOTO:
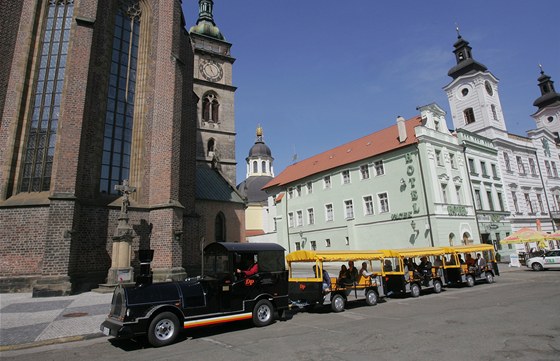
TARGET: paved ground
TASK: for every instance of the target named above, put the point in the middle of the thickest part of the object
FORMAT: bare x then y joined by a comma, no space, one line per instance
27,322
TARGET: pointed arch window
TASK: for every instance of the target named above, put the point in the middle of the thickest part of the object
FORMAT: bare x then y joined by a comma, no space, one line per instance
469,115
210,108
41,138
119,117
211,146
220,228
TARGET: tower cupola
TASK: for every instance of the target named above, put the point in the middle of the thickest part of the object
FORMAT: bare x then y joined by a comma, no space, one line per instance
465,62
548,94
205,24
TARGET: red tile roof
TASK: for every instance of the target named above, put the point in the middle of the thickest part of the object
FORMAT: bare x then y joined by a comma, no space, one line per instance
253,232
371,145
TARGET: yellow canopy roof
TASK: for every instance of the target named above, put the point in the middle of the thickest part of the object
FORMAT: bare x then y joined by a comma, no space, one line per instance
414,252
332,256
470,248
553,236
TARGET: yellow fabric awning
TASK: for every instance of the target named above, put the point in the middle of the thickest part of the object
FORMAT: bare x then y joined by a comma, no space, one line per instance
524,235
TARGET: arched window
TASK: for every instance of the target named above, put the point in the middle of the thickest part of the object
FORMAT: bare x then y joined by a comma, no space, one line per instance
466,238
255,167
41,140
494,113
451,238
220,228
469,115
211,146
119,120
263,166
210,108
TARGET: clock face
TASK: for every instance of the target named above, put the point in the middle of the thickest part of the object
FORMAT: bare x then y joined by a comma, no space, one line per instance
211,70
488,88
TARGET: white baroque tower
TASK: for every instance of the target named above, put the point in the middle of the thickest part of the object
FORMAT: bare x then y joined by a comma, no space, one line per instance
473,95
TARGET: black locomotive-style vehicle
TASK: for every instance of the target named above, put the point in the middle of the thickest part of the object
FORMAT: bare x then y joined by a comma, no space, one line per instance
161,310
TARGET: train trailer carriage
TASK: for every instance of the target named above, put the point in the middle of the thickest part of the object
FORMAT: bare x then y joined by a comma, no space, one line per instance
411,270
309,286
470,263
221,294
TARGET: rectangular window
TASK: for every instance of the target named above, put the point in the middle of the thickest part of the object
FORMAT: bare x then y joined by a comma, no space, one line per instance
554,170
483,169
313,245
310,216
477,199
383,202
298,246
298,191
557,197
368,205
438,158
290,193
349,207
498,241
458,192
532,166
299,218
444,192
309,188
539,200
364,171
515,203
520,165
528,202
500,202
547,166
290,219
490,201
329,216
452,160
327,182
345,177
494,171
472,168
469,115
327,242
506,161
379,169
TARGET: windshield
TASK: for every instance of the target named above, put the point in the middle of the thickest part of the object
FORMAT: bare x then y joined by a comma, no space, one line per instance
216,264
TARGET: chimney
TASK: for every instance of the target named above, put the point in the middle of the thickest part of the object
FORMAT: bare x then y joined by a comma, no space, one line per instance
402,129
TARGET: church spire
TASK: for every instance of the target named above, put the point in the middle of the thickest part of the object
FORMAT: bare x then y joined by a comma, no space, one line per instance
548,94
465,62
205,24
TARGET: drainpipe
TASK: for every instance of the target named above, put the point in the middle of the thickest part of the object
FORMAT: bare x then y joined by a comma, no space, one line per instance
545,194
287,220
425,196
472,193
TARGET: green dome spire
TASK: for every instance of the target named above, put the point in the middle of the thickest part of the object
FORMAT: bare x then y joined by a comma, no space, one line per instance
205,24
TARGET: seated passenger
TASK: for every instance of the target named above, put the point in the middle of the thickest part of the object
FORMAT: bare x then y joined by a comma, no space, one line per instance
461,260
352,272
425,269
325,278
387,266
438,262
343,276
471,263
364,272
480,262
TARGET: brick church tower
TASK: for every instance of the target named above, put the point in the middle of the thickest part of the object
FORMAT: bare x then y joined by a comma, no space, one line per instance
93,93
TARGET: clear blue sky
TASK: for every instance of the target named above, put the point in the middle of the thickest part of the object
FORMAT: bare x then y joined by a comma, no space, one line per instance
319,73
